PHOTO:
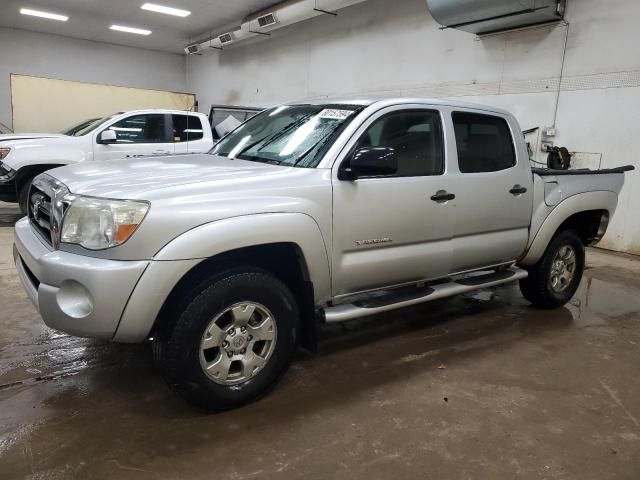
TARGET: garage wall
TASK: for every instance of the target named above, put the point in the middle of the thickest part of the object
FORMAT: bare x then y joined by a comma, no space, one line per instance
371,49
69,103
66,58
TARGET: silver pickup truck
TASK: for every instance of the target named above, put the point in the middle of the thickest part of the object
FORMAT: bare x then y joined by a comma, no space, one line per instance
328,210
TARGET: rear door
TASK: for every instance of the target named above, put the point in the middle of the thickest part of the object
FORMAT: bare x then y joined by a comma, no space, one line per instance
188,134
493,188
136,136
387,230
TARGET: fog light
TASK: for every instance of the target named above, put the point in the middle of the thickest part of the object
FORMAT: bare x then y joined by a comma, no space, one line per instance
74,299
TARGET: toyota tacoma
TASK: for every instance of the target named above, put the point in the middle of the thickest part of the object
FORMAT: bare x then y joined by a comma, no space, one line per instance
327,210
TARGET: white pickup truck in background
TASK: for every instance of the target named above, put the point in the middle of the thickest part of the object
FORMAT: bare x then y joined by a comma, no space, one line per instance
129,134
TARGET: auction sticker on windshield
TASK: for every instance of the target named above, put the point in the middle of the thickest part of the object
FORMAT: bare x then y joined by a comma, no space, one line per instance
333,114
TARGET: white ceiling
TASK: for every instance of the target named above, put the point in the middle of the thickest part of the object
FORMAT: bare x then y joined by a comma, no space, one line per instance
91,19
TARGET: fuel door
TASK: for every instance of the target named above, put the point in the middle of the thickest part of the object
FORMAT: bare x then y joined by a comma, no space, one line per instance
552,191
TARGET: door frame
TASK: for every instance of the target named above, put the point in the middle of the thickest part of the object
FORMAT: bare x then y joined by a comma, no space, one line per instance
519,146
348,145
168,130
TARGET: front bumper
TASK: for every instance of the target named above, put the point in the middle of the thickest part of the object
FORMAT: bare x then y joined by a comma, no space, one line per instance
80,295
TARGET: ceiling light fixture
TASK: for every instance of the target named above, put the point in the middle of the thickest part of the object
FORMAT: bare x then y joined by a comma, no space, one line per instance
137,31
41,14
176,12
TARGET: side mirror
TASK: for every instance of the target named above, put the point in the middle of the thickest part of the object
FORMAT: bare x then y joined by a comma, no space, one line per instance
108,136
371,162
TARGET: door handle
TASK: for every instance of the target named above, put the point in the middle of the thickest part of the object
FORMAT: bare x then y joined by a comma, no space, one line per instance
517,190
442,196
160,152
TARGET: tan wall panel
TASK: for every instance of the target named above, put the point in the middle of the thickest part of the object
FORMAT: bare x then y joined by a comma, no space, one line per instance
47,105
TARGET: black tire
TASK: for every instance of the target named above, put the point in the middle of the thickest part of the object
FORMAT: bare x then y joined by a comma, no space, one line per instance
537,287
23,195
178,354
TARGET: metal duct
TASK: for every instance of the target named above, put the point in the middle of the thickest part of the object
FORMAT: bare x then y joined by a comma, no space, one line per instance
489,16
278,16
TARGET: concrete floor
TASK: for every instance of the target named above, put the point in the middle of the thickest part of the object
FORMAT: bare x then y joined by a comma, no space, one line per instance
477,387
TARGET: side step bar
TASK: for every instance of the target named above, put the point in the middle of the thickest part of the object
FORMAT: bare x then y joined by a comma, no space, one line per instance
392,300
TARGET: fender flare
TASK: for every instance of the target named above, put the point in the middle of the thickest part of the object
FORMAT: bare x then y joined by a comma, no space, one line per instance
582,202
254,230
193,247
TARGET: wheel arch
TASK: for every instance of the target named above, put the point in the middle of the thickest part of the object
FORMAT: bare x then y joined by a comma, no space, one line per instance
28,172
285,261
587,214
296,255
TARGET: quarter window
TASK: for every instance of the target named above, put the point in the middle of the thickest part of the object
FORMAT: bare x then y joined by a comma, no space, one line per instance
141,129
187,128
484,143
416,137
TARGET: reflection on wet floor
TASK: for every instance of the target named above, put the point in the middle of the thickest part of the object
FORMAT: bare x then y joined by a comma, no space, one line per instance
478,386
597,301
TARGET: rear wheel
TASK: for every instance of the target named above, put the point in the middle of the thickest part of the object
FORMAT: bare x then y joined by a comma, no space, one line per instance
555,278
232,343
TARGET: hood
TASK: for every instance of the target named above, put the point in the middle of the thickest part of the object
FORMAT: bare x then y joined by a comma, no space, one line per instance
28,136
135,178
60,149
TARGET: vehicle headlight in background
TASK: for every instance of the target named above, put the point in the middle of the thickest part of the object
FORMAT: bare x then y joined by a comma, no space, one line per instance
4,152
6,173
96,223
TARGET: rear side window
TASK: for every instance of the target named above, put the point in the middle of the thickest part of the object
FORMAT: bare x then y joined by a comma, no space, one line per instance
140,129
186,128
484,143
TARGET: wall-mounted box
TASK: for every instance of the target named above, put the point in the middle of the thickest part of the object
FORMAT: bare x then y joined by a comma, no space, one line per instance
489,16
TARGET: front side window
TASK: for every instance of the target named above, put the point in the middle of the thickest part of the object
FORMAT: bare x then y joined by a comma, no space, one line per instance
416,138
187,128
484,143
141,129
292,135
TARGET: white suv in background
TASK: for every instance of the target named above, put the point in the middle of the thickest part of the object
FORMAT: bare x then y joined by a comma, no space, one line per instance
130,134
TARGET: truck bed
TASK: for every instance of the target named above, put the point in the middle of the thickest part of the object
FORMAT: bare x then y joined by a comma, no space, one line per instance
583,171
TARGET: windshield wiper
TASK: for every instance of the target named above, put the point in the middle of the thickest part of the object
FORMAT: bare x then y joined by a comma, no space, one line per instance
265,160
241,152
304,154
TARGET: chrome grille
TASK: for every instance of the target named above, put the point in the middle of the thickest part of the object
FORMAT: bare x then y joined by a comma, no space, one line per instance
46,207
40,212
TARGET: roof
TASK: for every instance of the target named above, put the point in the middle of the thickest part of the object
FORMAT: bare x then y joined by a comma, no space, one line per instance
383,102
160,110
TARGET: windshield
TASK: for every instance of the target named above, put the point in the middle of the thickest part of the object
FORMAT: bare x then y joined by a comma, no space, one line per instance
295,135
85,127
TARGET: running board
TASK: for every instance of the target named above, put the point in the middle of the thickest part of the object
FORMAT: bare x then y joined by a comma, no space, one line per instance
400,298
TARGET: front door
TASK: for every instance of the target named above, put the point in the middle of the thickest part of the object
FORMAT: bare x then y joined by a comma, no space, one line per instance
136,136
387,230
494,191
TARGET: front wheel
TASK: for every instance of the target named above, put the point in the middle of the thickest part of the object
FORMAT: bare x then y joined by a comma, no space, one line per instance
555,278
233,342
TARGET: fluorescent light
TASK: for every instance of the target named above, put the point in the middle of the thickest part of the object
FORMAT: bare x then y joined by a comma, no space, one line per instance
177,12
138,31
38,13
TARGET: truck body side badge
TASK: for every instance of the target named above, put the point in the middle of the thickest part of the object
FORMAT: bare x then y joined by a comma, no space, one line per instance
374,241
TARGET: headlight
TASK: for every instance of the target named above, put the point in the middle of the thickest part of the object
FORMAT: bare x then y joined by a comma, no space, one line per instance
97,223
6,173
4,152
